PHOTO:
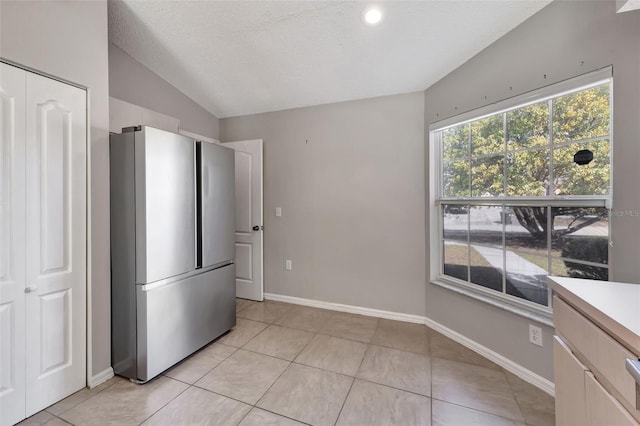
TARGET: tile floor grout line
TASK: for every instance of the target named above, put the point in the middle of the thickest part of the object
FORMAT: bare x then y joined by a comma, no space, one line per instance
343,338
266,322
260,353
273,356
246,414
62,420
515,397
392,387
322,369
247,305
272,384
167,403
51,414
222,395
305,347
431,410
294,361
477,409
391,347
319,332
281,415
256,336
489,391
73,406
431,379
363,379
227,396
209,371
352,382
323,333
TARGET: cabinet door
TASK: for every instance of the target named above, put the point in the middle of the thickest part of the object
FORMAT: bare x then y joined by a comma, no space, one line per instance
602,408
56,133
12,248
570,387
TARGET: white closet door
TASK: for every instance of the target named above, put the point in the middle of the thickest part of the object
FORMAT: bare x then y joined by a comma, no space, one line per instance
56,131
12,245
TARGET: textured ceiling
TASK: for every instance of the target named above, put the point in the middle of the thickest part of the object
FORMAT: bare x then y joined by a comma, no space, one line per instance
242,57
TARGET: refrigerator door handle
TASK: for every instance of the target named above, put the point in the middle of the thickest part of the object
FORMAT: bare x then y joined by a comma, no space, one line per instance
198,182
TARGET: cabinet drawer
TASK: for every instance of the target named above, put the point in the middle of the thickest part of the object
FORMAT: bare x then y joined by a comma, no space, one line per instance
602,354
602,408
570,388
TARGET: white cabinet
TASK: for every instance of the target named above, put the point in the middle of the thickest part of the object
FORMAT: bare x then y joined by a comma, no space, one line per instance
43,136
591,381
602,408
569,385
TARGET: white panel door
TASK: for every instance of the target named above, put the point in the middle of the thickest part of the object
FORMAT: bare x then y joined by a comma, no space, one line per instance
12,245
249,229
56,132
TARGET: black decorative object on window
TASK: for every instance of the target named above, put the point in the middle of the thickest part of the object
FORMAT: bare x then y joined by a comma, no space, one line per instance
582,157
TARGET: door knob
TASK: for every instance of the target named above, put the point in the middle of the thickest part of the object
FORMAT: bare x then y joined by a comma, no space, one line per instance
256,228
31,288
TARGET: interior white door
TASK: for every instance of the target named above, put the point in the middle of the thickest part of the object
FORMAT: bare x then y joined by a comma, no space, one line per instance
55,281
12,246
249,228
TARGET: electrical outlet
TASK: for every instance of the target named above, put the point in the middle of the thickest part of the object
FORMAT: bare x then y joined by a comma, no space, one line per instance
535,335
288,265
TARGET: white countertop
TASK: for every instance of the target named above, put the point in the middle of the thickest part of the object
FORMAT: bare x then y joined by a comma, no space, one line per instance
614,306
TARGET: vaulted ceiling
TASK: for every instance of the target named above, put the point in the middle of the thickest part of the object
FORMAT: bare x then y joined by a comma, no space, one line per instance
242,57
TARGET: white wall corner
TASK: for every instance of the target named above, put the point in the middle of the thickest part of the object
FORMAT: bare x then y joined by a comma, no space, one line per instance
100,378
509,365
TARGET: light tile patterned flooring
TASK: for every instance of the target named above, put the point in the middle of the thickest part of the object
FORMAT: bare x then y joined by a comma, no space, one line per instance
289,365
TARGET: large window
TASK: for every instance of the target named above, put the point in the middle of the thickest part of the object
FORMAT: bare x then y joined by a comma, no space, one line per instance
522,193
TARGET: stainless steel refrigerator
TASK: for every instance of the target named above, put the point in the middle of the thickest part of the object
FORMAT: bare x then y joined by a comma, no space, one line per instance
172,248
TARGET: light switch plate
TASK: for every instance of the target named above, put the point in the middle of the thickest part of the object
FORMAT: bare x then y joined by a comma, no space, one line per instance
278,211
288,265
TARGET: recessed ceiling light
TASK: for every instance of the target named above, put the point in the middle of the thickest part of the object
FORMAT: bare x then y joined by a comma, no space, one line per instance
372,16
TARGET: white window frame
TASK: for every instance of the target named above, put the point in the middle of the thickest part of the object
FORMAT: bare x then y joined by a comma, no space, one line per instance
504,301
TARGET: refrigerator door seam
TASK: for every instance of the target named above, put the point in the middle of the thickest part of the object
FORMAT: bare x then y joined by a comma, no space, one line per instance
167,281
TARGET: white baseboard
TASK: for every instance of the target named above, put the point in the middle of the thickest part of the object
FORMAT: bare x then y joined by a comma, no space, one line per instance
525,374
100,378
509,365
369,312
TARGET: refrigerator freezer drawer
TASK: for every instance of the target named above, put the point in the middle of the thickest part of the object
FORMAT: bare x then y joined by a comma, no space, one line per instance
179,318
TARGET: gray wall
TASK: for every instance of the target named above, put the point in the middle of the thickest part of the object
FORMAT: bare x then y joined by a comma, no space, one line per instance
350,180
563,40
132,82
69,40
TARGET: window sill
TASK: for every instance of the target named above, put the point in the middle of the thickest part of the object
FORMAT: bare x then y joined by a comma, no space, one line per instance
539,315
